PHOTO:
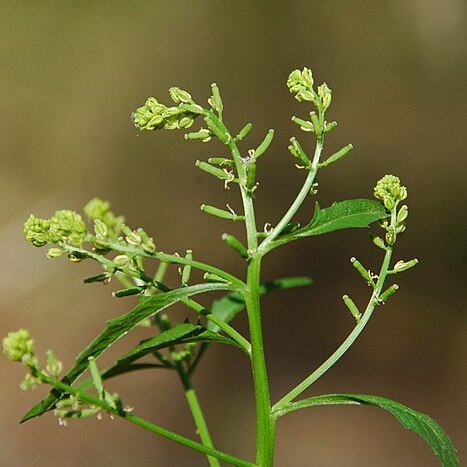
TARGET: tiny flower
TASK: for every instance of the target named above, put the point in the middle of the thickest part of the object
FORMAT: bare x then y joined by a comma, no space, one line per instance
55,252
121,261
180,96
54,366
29,382
325,94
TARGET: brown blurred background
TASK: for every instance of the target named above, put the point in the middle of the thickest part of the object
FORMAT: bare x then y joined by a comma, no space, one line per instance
72,72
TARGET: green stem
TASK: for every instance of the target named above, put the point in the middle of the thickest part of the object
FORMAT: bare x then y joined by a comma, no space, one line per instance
167,258
88,398
265,245
373,302
229,330
247,200
195,408
265,422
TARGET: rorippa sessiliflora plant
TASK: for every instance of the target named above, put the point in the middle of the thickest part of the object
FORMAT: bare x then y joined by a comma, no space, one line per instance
124,254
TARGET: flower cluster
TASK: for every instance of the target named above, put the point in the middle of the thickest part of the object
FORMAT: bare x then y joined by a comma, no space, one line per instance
154,116
390,191
64,226
301,83
18,346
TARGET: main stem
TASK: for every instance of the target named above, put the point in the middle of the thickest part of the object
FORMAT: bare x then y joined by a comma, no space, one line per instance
265,423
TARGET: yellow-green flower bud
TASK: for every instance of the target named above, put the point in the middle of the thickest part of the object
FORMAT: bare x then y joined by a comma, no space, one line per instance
133,239
185,122
54,366
55,252
325,94
305,95
121,261
401,266
100,229
29,382
179,95
402,214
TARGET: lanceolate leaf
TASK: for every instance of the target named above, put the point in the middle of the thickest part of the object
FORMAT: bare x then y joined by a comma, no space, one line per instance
116,328
343,215
231,304
180,334
418,422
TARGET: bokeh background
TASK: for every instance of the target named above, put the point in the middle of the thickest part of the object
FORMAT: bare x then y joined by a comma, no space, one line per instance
72,73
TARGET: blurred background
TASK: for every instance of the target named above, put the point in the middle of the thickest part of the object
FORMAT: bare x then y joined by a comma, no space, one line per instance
72,73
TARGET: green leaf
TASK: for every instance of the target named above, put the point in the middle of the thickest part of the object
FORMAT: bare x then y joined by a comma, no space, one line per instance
116,328
418,422
231,304
352,213
180,334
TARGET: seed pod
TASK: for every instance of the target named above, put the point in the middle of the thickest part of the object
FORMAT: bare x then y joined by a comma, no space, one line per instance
298,152
262,148
99,278
243,132
401,266
221,213
128,292
213,278
216,99
236,244
303,124
388,293
203,134
220,161
352,307
336,156
187,268
316,124
251,176
214,126
363,272
210,169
